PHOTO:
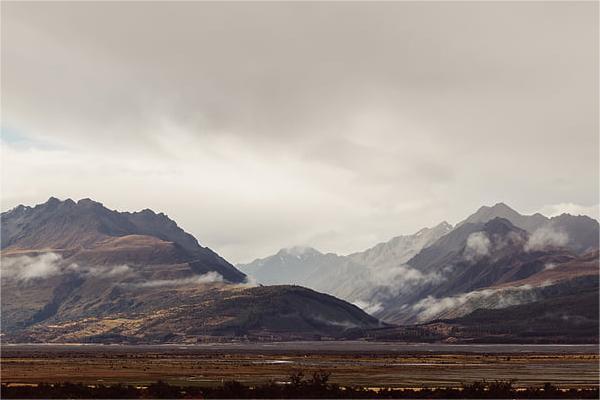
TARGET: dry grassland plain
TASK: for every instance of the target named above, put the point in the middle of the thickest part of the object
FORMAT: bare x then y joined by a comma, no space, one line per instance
350,364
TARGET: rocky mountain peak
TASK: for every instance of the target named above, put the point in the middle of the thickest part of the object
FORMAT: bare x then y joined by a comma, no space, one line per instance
500,210
299,251
486,213
87,202
500,226
87,224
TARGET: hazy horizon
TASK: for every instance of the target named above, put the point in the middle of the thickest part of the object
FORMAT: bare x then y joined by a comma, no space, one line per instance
548,212
332,125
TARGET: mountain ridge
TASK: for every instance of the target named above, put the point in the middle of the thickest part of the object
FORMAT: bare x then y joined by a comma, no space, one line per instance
48,226
77,271
493,246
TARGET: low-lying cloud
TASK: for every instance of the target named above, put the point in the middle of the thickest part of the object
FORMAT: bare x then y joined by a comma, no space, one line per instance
377,287
209,277
549,266
459,305
100,272
293,159
342,324
401,276
45,265
478,246
546,237
368,307
25,268
42,266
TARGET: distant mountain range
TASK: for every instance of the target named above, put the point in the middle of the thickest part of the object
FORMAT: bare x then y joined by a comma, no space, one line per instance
79,272
495,258
357,277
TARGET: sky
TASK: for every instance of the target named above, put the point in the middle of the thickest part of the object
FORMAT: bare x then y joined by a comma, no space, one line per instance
258,126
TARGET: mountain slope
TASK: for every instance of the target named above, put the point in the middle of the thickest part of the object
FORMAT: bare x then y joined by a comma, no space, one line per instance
569,318
565,317
494,259
579,233
491,265
71,228
186,314
400,249
500,210
442,272
582,232
289,266
358,277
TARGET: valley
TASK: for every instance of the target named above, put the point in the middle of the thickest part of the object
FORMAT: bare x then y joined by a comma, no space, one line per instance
350,363
299,199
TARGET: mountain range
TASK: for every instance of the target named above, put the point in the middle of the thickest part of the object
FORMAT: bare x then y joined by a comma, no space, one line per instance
495,258
80,272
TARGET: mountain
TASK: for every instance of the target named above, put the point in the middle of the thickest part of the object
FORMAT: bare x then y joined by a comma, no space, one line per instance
551,298
582,232
444,272
79,272
491,265
400,249
186,314
88,229
356,277
305,266
384,269
570,317
495,258
500,210
579,233
288,266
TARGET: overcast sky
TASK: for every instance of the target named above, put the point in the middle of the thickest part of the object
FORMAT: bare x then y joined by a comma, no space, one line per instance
336,125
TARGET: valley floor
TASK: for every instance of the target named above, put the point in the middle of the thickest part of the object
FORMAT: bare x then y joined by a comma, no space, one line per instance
350,364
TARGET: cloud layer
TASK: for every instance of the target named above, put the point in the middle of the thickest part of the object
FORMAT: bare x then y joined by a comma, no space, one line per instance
477,246
46,265
209,277
454,306
337,125
25,268
546,237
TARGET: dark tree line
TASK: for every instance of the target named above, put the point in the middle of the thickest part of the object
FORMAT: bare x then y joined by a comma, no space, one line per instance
314,386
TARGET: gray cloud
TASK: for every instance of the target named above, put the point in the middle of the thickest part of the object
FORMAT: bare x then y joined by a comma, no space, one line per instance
49,264
546,237
462,304
337,125
368,307
549,266
31,267
101,272
477,246
209,277
553,210
343,323
42,266
379,286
